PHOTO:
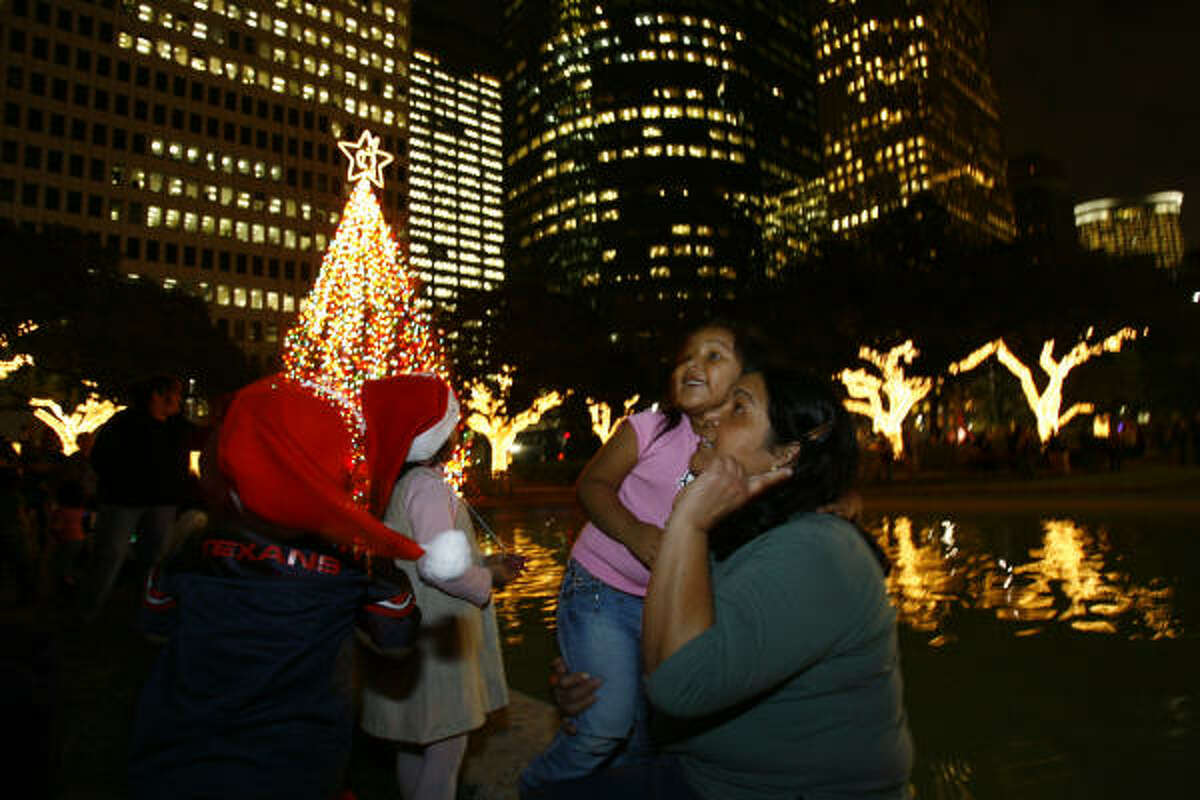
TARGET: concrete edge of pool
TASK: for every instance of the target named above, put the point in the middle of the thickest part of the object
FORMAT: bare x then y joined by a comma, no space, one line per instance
504,745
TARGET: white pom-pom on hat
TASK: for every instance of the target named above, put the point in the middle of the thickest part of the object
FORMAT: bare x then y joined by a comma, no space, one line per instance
447,556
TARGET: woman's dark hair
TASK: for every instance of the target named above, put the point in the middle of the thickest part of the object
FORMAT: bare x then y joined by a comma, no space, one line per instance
749,345
802,409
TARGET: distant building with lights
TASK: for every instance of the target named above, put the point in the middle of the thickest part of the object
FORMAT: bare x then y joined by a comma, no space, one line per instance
1135,226
455,215
199,139
908,111
646,143
793,223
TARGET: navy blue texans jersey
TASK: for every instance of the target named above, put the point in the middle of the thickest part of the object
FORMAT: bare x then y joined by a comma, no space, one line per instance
250,696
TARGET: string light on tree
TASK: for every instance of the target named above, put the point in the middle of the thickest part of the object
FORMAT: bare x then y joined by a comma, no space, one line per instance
867,391
489,417
87,417
603,424
10,365
362,320
1046,405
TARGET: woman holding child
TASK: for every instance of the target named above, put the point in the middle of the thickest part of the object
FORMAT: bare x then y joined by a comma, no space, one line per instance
768,642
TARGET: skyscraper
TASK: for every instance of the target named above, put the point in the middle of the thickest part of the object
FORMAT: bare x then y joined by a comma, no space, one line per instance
646,143
455,218
200,138
1134,226
908,111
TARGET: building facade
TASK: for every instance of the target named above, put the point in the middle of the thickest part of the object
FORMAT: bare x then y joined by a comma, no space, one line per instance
199,138
908,111
1135,226
1042,206
455,214
646,142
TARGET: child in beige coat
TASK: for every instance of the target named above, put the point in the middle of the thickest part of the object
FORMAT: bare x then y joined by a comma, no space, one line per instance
430,702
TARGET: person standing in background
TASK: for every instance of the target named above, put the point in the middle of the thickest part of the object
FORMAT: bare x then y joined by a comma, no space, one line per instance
141,461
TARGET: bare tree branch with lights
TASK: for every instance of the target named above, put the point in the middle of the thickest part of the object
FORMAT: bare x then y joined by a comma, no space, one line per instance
10,365
603,424
489,416
867,391
87,417
1046,404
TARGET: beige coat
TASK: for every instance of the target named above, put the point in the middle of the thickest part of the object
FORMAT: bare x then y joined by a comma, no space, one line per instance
456,674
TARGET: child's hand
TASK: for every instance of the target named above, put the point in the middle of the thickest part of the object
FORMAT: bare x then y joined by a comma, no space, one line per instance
516,562
503,569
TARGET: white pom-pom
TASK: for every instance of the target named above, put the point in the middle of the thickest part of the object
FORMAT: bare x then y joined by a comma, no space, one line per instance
446,557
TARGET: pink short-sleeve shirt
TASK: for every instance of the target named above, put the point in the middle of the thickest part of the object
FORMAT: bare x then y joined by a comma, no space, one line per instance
647,492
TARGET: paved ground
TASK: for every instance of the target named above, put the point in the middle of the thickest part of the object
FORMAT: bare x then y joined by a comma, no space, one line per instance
71,694
506,744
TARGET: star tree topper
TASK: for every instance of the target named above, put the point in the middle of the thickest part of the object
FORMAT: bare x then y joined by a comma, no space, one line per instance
366,159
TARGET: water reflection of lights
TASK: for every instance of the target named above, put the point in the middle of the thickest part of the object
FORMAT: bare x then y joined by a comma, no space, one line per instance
532,598
921,584
1066,560
1069,576
1068,579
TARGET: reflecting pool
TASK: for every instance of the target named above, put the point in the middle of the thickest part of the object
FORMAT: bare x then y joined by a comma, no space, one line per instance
1044,655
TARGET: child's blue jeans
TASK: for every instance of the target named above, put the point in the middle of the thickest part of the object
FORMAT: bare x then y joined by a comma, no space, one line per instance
599,632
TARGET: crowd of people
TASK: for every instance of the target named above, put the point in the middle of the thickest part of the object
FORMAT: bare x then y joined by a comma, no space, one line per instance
68,521
724,630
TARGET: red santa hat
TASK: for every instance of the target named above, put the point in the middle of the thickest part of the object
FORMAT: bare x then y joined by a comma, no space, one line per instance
287,454
423,410
409,418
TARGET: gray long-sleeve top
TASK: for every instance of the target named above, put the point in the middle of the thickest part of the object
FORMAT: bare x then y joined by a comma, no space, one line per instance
796,689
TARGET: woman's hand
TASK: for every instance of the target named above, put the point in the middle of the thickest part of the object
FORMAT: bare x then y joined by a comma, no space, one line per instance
679,599
572,692
722,488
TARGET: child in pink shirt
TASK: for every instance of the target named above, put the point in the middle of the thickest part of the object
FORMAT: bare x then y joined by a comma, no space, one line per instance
627,490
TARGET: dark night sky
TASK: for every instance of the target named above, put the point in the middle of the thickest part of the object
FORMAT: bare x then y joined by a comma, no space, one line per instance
1107,87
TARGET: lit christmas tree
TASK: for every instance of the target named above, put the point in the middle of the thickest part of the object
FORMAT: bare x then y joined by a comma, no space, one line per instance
362,320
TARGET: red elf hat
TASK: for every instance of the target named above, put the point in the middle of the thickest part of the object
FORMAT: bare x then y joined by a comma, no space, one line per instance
288,455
